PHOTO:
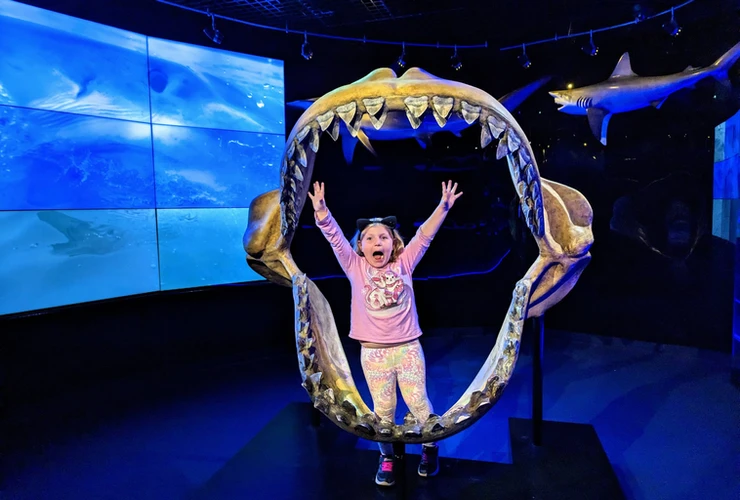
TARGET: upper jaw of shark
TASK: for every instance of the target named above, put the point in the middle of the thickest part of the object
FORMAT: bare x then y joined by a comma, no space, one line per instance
560,99
558,216
375,96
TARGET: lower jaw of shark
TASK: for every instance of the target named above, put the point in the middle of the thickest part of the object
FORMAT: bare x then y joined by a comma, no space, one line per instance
559,218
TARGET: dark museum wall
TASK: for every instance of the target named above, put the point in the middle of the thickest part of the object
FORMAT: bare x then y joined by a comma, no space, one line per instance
657,272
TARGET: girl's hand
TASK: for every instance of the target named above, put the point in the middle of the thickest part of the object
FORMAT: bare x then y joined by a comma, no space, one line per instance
448,195
319,203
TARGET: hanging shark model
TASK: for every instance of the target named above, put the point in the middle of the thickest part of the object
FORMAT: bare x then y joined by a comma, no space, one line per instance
396,126
626,91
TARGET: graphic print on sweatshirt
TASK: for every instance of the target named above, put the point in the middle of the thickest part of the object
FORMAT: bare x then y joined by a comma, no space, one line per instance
384,288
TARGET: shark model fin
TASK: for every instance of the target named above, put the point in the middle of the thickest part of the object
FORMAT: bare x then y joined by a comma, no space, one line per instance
721,67
349,144
424,141
658,103
348,147
598,120
513,99
303,104
366,142
623,69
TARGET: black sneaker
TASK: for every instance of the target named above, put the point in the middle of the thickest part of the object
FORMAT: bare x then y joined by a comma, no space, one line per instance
429,464
384,476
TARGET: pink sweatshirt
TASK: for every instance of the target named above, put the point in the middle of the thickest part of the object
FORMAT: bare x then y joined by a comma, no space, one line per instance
383,304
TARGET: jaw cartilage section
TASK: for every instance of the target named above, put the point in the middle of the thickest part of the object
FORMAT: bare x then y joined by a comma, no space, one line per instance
558,216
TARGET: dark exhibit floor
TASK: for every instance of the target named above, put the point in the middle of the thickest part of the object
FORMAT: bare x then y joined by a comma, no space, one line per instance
667,417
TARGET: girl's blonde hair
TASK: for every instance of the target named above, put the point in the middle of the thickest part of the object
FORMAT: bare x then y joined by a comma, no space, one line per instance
398,244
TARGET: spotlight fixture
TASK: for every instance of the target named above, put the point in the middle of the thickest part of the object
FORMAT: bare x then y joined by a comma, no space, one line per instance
672,27
455,61
306,50
590,49
212,33
401,61
523,59
639,13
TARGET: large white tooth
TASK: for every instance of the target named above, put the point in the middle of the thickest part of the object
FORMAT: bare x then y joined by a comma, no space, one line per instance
325,120
301,155
414,121
441,107
503,148
355,127
314,143
334,132
524,158
297,172
417,105
513,141
373,105
497,126
346,112
291,149
530,174
303,133
521,187
379,121
536,193
540,220
513,168
485,135
470,113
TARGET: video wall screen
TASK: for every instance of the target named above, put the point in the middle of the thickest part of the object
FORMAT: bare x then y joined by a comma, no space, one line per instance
128,170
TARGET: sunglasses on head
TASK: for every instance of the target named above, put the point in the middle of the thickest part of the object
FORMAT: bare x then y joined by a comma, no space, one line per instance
386,221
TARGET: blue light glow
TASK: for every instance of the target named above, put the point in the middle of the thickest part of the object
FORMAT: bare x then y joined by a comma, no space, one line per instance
68,161
213,168
56,62
199,247
53,258
202,87
127,163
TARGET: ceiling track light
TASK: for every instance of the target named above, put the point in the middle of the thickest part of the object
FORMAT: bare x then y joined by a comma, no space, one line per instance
672,27
212,33
306,50
401,61
590,49
523,59
455,61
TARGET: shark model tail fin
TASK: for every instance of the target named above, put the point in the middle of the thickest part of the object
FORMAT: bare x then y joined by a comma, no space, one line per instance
721,66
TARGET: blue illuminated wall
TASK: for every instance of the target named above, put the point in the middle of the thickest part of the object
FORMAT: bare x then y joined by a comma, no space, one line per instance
127,163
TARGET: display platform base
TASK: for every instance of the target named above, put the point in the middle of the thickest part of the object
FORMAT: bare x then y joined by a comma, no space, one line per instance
293,459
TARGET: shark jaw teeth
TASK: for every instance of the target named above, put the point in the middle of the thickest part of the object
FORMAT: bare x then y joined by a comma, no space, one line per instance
344,410
493,127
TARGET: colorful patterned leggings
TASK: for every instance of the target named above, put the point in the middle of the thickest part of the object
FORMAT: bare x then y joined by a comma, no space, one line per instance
383,367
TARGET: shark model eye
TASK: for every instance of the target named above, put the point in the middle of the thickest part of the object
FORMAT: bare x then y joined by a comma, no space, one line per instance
558,217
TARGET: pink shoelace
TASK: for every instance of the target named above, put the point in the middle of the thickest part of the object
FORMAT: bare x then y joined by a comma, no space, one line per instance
386,466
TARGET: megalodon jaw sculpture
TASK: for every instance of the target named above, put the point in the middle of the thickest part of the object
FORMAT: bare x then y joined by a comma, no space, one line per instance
397,127
558,216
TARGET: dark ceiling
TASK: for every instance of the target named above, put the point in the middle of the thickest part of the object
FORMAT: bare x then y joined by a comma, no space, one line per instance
501,23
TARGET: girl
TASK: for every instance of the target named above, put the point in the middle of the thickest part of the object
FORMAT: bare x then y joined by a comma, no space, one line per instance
383,315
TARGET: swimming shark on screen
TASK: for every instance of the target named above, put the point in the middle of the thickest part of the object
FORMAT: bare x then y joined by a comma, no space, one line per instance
83,238
396,126
626,91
